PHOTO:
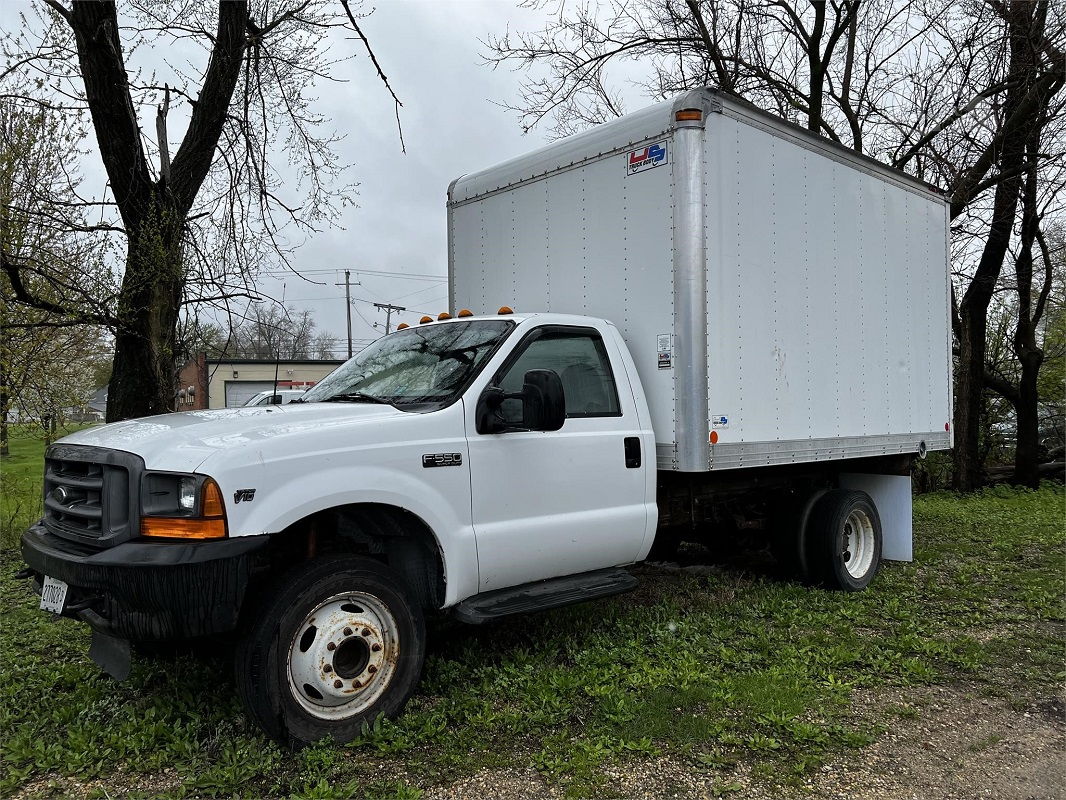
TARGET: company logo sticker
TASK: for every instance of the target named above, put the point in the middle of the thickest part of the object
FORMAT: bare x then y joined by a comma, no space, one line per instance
654,155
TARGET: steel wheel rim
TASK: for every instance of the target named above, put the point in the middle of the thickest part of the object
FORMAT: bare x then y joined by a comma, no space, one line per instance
858,551
343,656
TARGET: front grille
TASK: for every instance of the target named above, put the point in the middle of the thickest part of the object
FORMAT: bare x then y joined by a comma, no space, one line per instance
90,493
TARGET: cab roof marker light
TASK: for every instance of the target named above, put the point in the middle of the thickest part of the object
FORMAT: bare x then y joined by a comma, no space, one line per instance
425,319
505,310
402,325
444,315
466,312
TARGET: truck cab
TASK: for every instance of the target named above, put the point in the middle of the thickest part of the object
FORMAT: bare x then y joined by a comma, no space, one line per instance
487,465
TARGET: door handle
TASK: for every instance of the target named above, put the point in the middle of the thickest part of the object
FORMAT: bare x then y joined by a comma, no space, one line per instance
632,447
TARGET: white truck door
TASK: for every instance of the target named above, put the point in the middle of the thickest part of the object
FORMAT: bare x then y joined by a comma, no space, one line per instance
557,503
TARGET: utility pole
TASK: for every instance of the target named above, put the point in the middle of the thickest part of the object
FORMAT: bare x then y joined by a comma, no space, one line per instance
388,309
348,305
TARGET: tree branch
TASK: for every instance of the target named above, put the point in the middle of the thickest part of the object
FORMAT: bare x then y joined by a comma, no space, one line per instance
107,92
161,135
60,9
377,66
197,150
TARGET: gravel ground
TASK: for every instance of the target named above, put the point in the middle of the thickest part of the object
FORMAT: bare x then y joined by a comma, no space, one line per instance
959,746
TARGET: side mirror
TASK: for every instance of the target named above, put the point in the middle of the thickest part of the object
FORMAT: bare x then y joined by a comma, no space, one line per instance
543,405
543,402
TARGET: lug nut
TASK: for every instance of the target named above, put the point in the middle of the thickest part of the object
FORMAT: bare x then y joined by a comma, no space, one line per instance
371,669
327,668
357,684
375,647
347,631
338,684
366,631
331,646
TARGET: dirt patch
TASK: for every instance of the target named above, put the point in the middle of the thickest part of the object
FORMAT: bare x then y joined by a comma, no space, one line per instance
959,746
941,744
503,784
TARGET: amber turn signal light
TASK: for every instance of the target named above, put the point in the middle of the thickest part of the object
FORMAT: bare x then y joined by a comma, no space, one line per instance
171,528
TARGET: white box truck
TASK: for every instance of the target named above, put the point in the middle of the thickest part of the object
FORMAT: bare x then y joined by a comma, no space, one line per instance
724,324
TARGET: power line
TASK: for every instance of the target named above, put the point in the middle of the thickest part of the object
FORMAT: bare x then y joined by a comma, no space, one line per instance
415,276
361,300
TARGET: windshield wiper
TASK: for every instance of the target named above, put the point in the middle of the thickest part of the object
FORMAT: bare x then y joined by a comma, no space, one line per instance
357,397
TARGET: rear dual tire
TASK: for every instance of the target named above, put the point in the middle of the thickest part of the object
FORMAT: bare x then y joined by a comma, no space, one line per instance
843,541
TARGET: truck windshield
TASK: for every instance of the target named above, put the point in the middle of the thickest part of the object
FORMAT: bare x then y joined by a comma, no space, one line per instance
416,367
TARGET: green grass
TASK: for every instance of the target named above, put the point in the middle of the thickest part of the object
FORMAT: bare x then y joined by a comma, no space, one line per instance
21,476
725,671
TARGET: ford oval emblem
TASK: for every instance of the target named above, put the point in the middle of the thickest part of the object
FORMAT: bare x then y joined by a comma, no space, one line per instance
61,495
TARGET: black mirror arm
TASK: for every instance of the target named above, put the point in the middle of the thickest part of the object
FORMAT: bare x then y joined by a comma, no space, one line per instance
493,398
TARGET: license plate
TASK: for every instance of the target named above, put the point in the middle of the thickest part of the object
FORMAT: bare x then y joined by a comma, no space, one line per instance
53,595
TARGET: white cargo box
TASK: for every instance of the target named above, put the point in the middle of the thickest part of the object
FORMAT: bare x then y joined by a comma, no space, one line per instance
786,300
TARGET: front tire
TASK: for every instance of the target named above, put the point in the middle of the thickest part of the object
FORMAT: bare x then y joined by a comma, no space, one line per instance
843,540
336,645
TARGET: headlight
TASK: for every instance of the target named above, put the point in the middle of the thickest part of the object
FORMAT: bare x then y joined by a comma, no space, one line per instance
187,494
175,506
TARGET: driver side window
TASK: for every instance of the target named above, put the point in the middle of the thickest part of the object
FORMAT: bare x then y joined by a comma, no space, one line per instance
581,362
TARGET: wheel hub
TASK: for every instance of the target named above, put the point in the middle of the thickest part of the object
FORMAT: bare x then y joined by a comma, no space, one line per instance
858,543
343,655
351,658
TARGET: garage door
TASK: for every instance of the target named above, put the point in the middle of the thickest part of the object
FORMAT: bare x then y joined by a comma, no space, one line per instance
238,392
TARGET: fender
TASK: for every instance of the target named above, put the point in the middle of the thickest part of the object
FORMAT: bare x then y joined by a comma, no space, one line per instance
271,481
278,505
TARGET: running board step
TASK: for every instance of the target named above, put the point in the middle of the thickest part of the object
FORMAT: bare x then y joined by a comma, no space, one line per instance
542,595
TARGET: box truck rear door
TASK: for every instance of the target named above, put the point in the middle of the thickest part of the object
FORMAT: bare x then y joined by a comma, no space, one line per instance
566,501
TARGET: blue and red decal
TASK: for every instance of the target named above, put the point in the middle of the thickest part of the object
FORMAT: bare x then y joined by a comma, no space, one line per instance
654,155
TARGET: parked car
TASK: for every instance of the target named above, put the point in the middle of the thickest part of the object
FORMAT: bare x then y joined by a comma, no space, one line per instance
272,398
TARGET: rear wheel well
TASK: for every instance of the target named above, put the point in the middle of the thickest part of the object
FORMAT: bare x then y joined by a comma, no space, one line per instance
392,535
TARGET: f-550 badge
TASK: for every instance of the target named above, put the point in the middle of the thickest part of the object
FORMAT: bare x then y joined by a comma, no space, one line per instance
243,494
442,460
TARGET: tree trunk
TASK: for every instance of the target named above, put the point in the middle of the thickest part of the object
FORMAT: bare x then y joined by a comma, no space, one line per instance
142,381
5,409
1027,455
973,310
969,384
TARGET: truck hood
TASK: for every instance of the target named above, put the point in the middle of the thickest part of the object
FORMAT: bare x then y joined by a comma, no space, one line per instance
182,442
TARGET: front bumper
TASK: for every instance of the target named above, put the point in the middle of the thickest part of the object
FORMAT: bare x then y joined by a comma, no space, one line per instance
150,591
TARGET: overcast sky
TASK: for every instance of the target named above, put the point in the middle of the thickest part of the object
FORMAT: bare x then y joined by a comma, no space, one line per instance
452,126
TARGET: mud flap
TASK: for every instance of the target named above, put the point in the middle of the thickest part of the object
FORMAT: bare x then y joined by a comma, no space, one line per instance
112,655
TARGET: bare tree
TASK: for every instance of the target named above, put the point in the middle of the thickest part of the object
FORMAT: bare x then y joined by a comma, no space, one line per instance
267,332
191,227
324,346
